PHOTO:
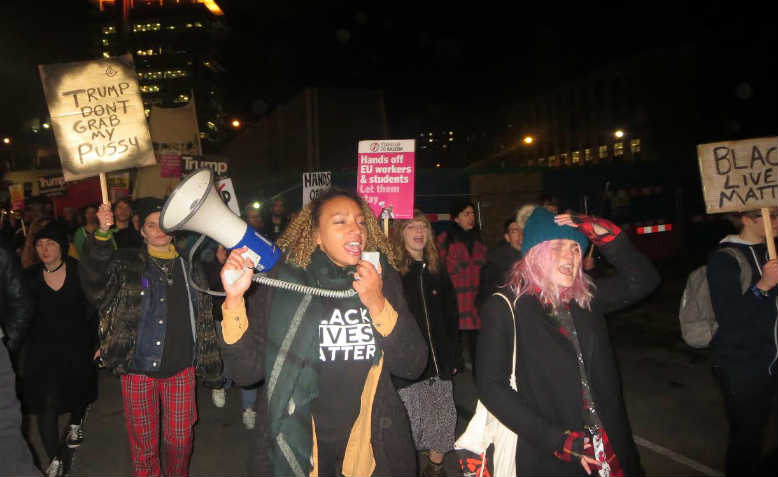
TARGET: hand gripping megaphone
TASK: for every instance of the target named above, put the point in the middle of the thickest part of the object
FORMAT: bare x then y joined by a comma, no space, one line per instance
196,205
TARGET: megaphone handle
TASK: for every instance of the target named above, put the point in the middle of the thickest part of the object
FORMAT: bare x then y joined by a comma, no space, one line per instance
232,276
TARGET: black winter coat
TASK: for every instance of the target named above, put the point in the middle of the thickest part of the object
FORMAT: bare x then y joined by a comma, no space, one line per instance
390,430
499,262
438,324
549,398
15,302
744,340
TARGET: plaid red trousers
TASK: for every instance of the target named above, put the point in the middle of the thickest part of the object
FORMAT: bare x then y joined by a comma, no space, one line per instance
142,396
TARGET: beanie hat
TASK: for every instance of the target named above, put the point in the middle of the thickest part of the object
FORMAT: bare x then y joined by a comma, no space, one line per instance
146,206
458,206
541,227
56,232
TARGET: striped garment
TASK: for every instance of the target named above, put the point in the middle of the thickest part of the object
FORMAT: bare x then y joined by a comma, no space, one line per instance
142,396
464,269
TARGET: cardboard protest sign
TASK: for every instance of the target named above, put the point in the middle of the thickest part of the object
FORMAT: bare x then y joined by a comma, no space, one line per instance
739,176
385,177
314,183
97,116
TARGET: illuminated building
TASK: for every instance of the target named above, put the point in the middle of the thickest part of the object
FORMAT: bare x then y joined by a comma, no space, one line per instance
174,44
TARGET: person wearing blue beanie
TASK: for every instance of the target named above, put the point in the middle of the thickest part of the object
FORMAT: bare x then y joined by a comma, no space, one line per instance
541,227
549,327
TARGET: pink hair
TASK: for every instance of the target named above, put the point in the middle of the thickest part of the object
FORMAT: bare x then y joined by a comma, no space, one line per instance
529,276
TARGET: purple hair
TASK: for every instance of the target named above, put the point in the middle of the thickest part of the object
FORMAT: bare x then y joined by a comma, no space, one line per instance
529,276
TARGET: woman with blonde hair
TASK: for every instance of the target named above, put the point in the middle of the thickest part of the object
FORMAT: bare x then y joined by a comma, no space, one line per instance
328,406
431,298
568,411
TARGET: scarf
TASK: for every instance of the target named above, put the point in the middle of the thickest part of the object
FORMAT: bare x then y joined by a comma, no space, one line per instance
292,357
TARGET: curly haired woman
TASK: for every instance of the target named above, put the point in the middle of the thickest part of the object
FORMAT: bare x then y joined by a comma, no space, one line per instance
569,411
329,403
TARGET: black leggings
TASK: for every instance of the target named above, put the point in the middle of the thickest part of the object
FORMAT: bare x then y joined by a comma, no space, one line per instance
48,427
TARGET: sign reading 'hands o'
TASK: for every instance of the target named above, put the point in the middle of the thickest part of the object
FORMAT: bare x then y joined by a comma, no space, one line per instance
97,116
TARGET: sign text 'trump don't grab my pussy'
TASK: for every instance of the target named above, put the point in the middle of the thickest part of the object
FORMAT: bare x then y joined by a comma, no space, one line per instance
97,116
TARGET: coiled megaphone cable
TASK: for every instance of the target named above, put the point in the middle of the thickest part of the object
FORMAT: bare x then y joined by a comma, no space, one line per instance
263,279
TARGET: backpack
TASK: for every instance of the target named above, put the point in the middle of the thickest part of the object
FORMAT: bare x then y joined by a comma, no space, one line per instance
698,321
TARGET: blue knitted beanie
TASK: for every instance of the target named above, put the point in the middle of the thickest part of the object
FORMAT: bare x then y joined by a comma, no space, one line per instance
541,227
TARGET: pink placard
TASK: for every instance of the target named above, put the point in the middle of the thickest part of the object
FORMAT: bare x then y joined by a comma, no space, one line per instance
170,165
385,176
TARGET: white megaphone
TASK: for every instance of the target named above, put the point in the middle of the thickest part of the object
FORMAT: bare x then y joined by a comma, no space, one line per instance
196,205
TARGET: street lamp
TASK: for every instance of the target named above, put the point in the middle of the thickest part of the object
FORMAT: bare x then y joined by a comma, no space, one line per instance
528,140
618,133
236,123
6,140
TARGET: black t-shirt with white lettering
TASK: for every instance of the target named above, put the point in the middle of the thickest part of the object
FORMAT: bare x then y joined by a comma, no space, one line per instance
347,349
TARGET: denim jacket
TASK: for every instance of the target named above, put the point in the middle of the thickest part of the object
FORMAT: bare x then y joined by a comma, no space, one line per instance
152,324
131,296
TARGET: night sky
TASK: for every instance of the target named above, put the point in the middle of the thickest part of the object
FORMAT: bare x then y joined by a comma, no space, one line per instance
435,62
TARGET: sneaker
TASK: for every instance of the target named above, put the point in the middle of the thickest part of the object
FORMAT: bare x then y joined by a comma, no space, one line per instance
249,418
55,468
219,397
75,436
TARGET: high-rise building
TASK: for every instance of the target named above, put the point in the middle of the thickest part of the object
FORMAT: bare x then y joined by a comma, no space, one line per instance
174,44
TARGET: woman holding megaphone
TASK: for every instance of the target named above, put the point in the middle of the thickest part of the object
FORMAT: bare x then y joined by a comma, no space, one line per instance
328,406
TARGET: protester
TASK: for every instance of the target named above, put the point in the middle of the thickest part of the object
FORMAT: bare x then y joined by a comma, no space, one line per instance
16,306
330,406
744,346
69,220
563,356
156,332
15,303
248,395
276,220
59,374
500,260
15,458
463,253
29,256
431,298
125,234
549,202
89,220
254,219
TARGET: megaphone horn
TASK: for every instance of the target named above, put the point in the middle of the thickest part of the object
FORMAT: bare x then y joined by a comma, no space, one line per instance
196,205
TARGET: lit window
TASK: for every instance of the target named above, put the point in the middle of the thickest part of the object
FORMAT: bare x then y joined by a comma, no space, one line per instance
451,133
552,161
198,24
149,88
430,134
634,146
587,155
106,54
105,42
147,111
618,149
576,157
603,152
450,139
109,30
541,161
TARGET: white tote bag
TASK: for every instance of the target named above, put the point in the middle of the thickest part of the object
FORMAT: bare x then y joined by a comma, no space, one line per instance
485,429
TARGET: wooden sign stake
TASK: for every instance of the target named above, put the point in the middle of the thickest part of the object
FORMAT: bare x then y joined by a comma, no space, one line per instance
768,233
104,187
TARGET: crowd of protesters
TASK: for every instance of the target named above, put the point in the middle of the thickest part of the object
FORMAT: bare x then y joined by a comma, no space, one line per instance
353,385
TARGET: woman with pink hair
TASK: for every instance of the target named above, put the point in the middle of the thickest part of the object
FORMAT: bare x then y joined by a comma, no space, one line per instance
568,411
